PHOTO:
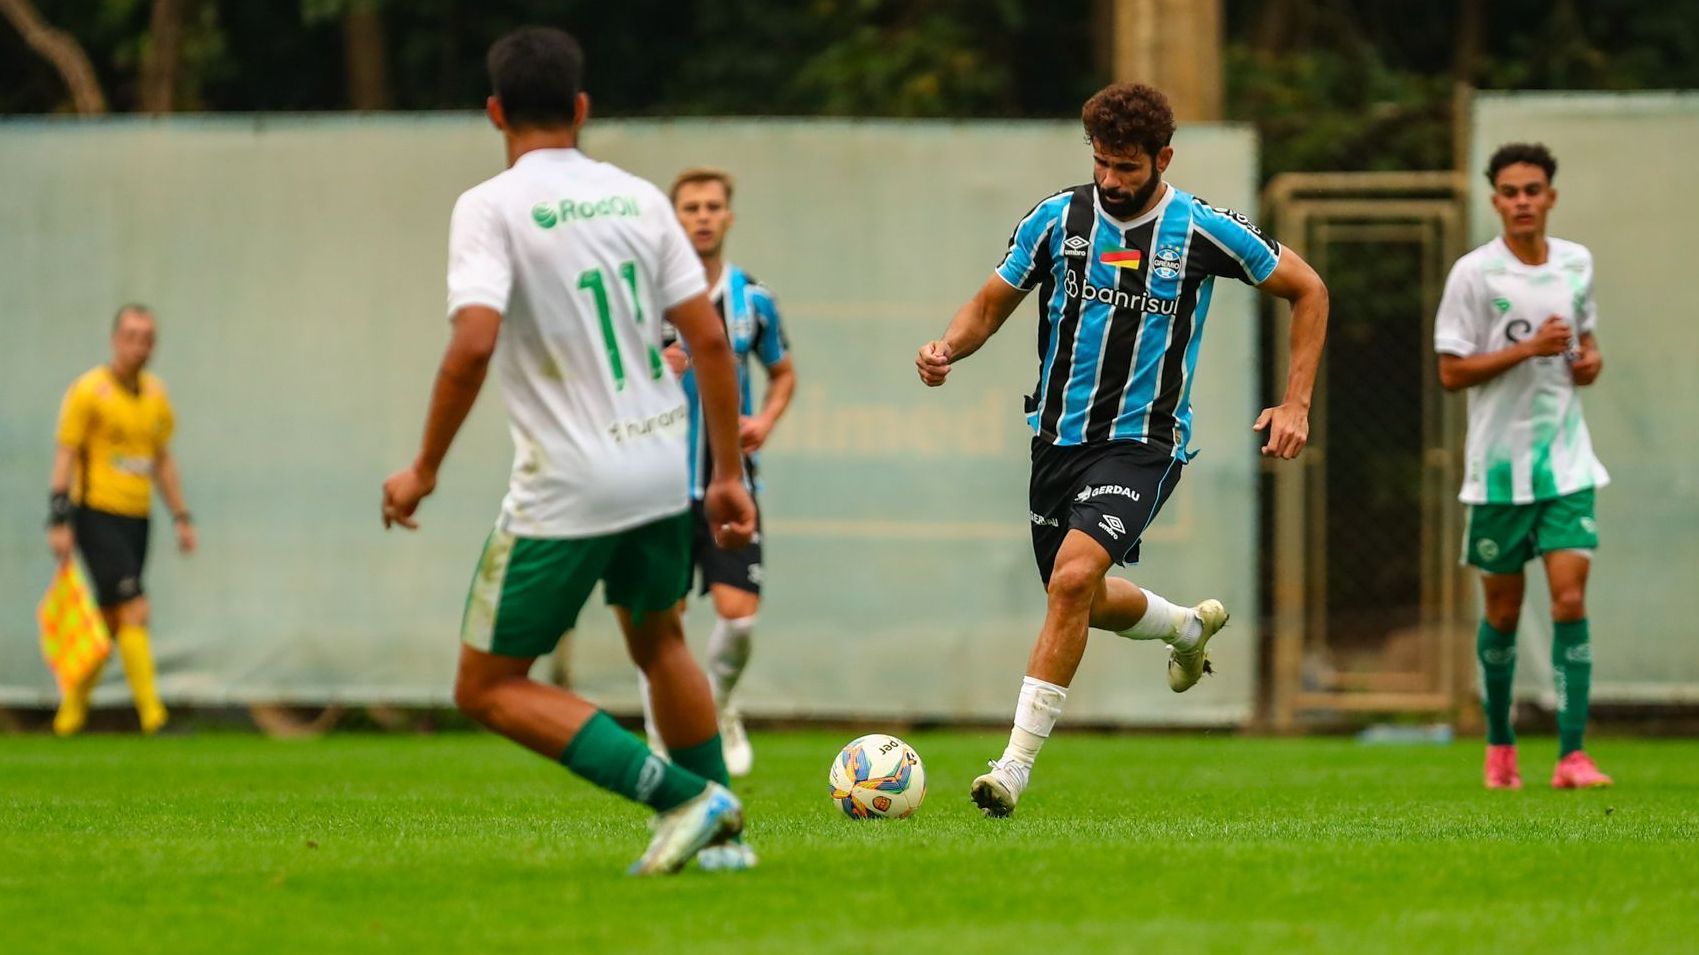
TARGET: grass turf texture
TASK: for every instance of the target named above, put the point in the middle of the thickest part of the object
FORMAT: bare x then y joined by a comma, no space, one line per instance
1200,844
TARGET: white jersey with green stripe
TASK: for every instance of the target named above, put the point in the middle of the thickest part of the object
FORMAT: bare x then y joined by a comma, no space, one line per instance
581,258
1527,439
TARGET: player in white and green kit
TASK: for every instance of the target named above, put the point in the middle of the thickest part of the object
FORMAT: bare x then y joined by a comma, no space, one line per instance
1516,327
561,270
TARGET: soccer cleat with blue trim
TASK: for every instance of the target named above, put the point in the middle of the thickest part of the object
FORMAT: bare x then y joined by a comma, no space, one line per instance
1187,667
709,819
733,856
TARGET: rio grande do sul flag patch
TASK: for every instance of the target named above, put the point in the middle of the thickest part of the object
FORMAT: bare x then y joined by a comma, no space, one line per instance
1122,258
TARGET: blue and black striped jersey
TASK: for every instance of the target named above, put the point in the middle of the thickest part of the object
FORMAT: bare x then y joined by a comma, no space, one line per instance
751,317
1121,311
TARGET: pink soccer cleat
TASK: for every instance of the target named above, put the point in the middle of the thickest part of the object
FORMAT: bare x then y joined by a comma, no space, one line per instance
1501,770
1577,771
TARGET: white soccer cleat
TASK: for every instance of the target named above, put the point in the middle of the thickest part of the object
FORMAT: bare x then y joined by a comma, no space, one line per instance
997,792
733,856
734,743
711,818
1187,667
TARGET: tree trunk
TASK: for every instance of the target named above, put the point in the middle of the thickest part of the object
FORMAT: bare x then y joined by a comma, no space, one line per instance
366,55
62,50
163,57
1175,46
1467,44
1467,41
1274,26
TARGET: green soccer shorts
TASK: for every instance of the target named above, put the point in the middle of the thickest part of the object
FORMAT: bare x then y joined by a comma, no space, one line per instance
527,591
1501,538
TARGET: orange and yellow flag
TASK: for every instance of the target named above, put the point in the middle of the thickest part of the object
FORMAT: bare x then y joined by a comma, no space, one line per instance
73,635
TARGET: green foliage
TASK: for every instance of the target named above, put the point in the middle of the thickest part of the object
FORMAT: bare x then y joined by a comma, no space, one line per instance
1331,84
1320,109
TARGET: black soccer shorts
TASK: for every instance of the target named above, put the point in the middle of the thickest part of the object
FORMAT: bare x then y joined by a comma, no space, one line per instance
1111,491
114,547
739,568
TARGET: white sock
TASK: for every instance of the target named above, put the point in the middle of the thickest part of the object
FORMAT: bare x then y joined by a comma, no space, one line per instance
1035,717
1177,626
729,647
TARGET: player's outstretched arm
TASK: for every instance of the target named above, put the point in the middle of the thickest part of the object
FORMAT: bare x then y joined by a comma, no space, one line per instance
459,379
973,325
731,511
1288,423
1457,372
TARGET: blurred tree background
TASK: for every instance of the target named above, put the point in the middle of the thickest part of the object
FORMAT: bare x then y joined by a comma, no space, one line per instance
1331,84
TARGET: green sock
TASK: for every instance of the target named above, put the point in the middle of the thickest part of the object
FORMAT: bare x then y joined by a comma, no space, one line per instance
605,754
707,760
1572,673
1497,653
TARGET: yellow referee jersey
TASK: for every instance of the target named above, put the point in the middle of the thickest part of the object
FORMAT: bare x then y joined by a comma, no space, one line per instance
118,436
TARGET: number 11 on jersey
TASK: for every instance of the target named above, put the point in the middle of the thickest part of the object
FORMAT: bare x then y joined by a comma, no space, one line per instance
596,282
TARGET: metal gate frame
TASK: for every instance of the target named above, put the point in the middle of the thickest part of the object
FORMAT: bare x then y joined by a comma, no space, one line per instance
1310,211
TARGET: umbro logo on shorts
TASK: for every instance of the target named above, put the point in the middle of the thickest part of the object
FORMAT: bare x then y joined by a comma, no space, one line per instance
1113,526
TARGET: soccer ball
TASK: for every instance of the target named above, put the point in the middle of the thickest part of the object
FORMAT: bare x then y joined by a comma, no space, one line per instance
877,777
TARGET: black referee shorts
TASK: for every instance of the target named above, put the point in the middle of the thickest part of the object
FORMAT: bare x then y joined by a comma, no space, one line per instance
114,547
1111,491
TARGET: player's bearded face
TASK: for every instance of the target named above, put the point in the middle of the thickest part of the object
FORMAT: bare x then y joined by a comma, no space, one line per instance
1125,179
705,212
1523,197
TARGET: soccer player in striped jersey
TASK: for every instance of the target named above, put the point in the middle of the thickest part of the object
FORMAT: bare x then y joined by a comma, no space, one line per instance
1125,266
702,198
561,270
1515,327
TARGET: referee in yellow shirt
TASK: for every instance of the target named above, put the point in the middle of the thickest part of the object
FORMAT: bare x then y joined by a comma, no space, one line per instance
114,442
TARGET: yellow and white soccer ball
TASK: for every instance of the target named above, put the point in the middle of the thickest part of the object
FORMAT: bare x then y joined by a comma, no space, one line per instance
877,777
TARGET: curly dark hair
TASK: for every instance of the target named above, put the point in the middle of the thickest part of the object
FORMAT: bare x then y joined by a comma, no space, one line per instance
1534,154
1124,116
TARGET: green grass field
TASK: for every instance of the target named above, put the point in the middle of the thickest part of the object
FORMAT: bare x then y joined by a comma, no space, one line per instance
460,842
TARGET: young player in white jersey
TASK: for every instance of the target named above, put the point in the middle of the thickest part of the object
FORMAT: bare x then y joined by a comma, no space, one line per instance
1516,328
561,270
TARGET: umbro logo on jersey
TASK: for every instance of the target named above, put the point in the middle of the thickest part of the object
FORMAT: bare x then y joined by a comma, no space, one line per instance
1113,527
1075,247
1502,304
